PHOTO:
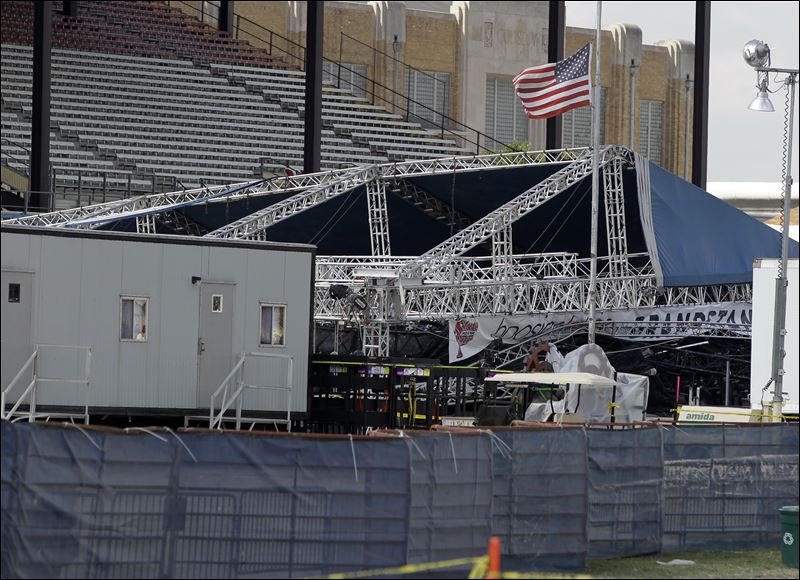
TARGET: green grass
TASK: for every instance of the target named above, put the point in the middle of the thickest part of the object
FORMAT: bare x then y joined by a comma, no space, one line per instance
739,564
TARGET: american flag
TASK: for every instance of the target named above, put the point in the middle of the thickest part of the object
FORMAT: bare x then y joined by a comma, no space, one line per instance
551,89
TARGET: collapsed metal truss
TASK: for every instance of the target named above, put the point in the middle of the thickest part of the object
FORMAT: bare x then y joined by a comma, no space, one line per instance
441,284
484,228
92,216
513,355
429,204
121,209
253,226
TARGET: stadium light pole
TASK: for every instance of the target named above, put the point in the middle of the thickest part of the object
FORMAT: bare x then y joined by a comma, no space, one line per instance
757,54
596,92
688,86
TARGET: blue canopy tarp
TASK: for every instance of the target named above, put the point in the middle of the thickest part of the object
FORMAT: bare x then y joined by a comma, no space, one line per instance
695,239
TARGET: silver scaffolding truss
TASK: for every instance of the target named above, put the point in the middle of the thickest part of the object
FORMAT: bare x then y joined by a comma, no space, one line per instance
121,209
442,284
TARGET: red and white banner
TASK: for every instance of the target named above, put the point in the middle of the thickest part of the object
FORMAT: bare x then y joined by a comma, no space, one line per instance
469,336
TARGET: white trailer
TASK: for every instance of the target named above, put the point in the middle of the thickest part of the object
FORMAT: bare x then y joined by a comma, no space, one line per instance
764,273
131,324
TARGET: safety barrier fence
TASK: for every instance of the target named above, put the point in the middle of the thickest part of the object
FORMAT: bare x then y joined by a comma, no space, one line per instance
89,502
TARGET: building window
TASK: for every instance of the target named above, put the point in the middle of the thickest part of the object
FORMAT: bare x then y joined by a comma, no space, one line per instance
209,12
428,97
133,318
651,129
273,324
13,292
353,77
216,303
576,129
506,121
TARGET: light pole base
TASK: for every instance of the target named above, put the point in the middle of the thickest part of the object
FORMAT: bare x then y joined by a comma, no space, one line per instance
772,412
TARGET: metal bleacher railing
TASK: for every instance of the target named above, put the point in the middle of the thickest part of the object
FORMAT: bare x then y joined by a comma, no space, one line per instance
378,93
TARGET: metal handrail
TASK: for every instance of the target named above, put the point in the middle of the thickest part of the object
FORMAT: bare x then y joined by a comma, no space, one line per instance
215,420
224,385
15,144
453,122
25,162
31,388
379,51
7,390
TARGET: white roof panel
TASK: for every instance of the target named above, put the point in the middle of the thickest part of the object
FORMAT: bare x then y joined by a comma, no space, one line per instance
575,378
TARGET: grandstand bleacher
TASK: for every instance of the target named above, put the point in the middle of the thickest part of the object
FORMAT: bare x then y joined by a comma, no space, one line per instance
145,98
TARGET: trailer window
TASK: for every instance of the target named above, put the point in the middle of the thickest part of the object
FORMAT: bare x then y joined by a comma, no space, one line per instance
13,292
273,322
133,318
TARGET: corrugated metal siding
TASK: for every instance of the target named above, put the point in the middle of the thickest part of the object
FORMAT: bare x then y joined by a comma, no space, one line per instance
77,287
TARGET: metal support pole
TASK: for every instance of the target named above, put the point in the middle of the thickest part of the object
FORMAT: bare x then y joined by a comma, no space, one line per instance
702,48
555,52
686,131
632,139
313,115
782,281
339,63
614,401
595,174
40,123
727,383
395,49
378,218
225,19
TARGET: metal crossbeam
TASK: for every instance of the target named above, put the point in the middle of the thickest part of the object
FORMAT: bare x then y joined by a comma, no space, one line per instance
445,302
444,253
378,218
483,162
254,225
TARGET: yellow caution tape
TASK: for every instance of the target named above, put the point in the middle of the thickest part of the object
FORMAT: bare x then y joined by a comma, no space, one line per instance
479,568
417,416
410,568
520,575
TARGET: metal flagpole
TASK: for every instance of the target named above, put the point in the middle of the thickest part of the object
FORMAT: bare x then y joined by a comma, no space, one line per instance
595,176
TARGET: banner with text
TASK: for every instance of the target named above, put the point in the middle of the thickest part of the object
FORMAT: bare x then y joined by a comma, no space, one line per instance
469,336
